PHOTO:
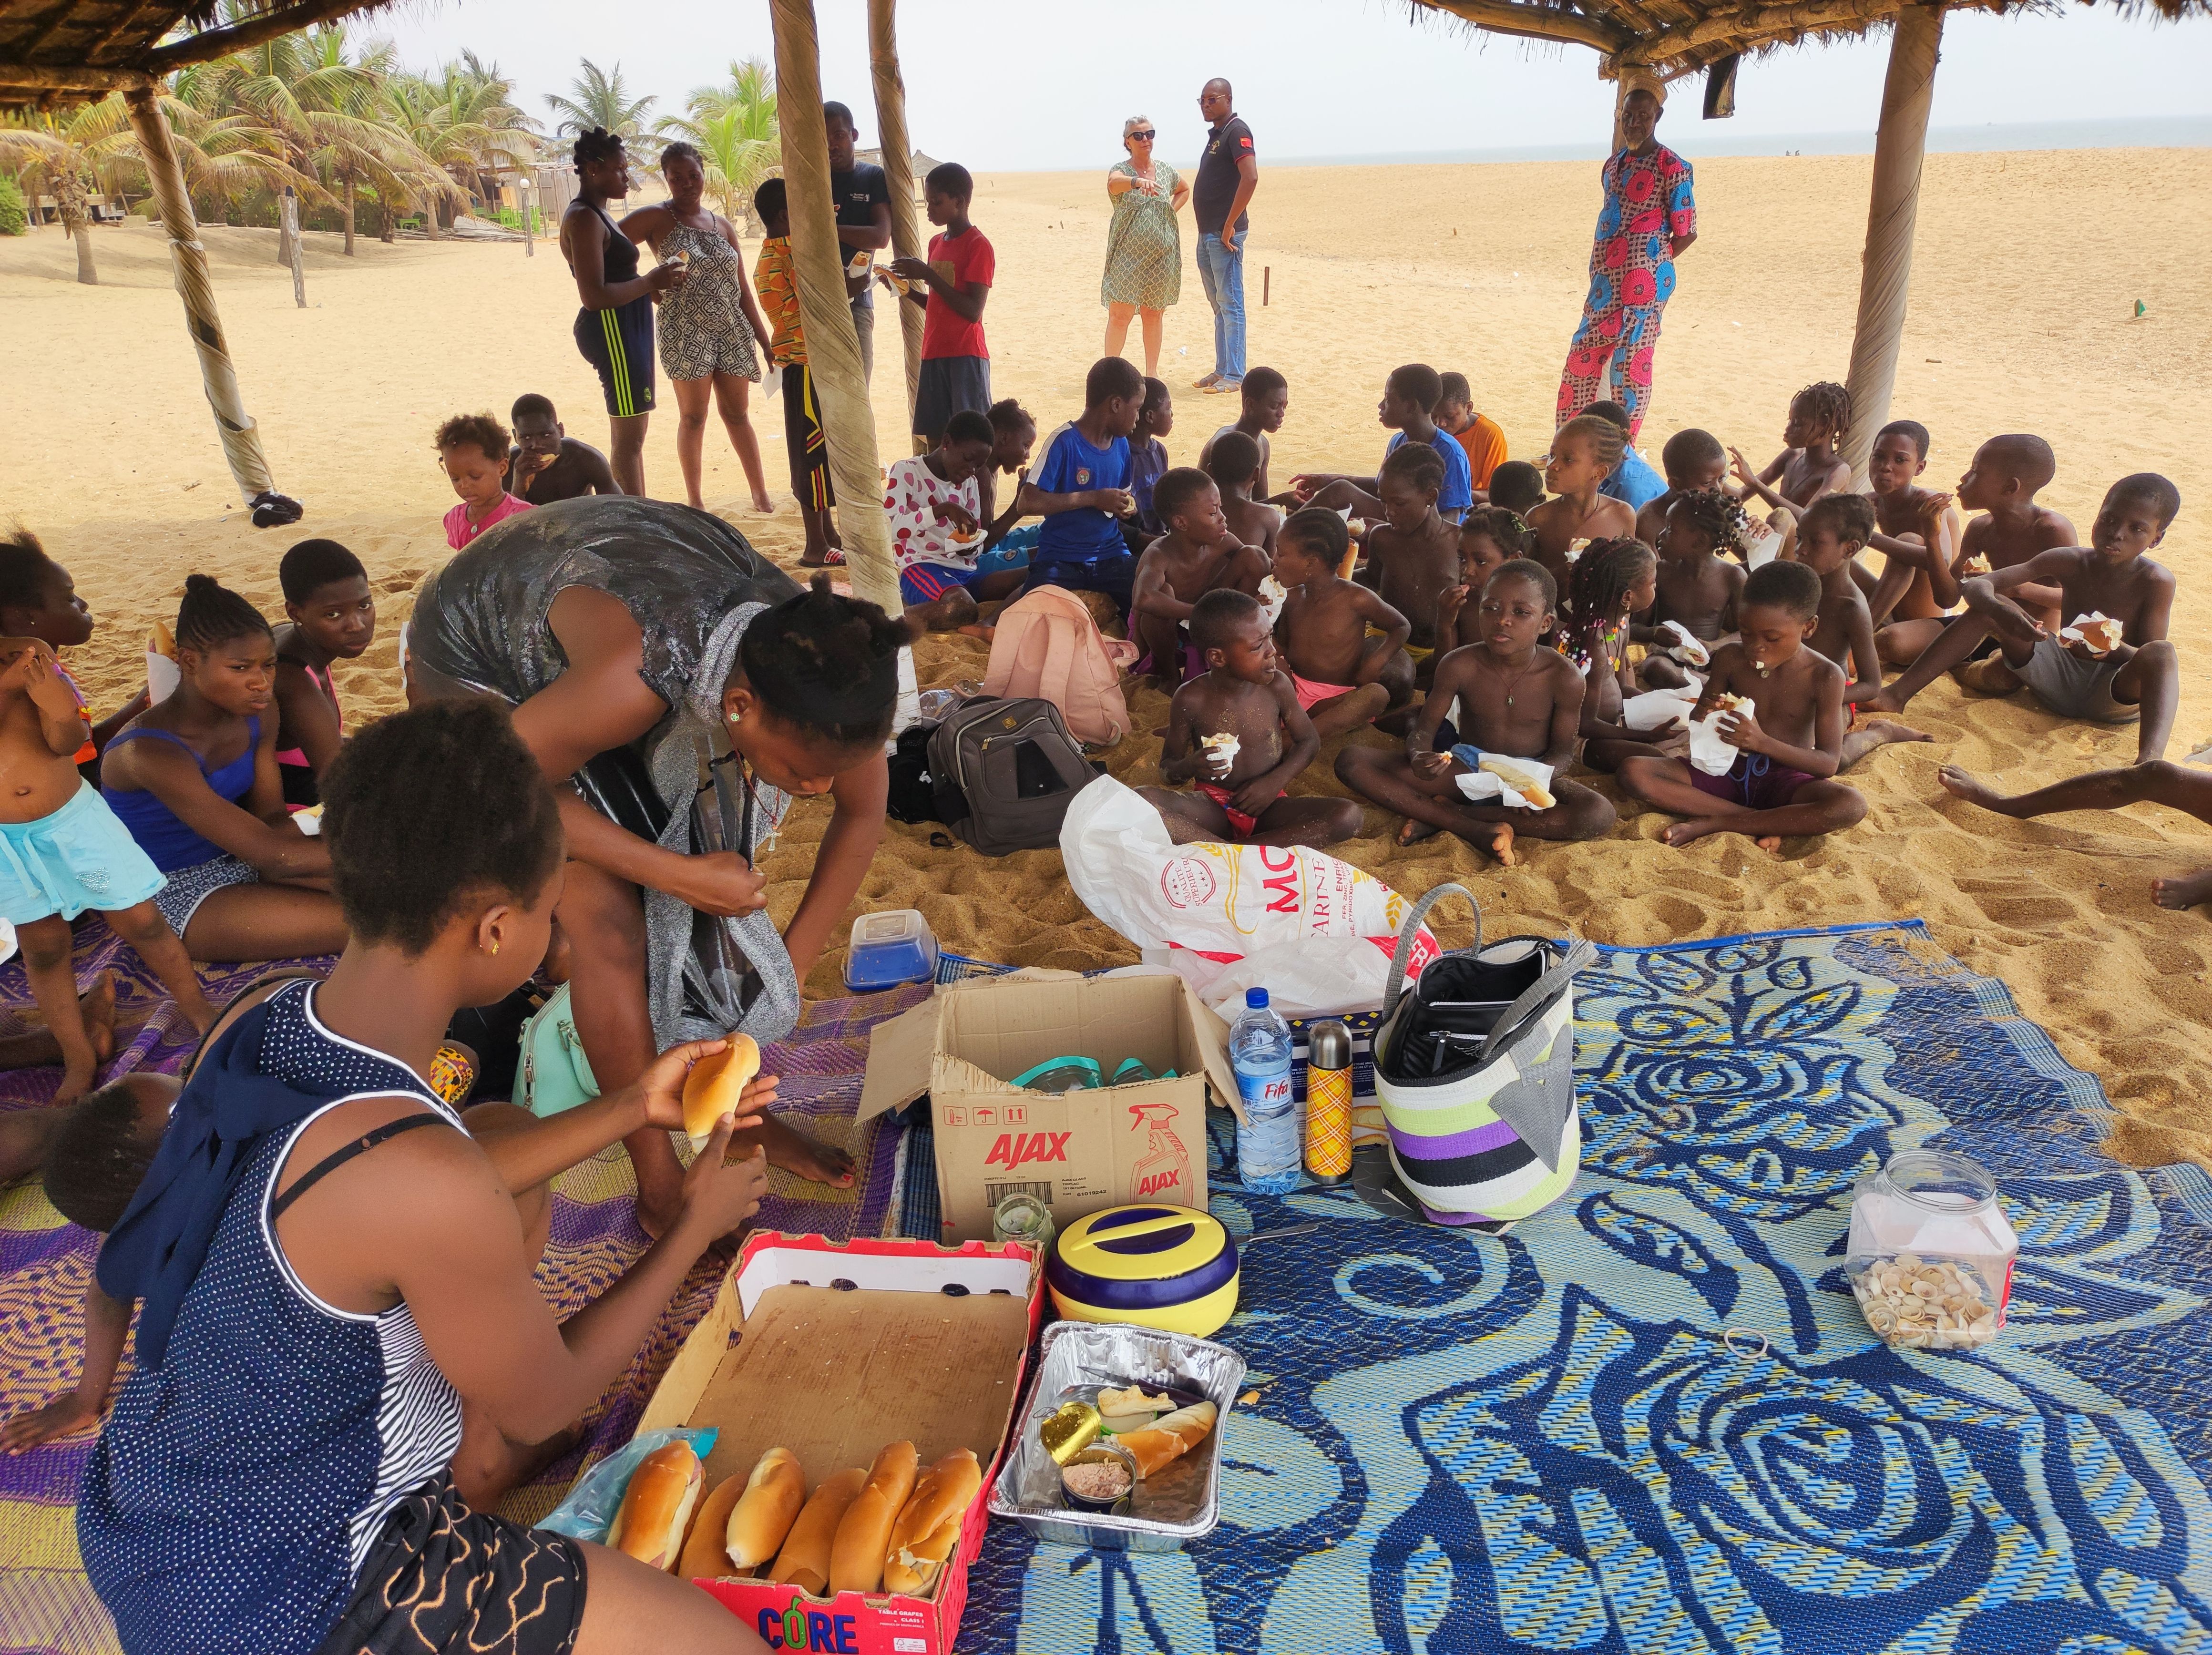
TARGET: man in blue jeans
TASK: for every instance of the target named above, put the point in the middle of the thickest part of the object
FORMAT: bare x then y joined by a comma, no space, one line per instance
1227,176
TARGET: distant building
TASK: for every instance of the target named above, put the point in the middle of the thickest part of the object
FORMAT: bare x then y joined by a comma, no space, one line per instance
922,164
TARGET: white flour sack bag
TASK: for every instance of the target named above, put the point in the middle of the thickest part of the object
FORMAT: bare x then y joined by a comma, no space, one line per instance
1316,933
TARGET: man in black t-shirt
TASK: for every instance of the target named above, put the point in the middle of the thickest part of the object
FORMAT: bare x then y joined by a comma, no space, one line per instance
1227,175
863,195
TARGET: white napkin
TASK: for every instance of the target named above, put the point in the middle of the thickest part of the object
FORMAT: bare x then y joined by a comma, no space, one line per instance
1708,750
1763,551
1655,706
2075,634
1683,644
1478,785
1273,596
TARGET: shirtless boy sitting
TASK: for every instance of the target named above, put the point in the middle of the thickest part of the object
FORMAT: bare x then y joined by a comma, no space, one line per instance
1698,589
1514,699
2001,484
1808,466
2136,677
1584,453
1490,538
1343,646
546,464
1413,555
1233,462
1238,730
1691,459
1917,530
1790,738
1195,556
1828,541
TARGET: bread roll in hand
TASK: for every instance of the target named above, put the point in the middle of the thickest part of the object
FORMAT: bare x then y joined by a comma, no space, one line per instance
712,1087
856,1561
929,1528
805,1560
773,1496
656,1507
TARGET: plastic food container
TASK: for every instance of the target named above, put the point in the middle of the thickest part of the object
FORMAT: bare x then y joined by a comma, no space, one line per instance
1931,1252
889,950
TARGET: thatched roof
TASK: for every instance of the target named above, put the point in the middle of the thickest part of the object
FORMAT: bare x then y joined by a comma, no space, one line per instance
63,52
1673,37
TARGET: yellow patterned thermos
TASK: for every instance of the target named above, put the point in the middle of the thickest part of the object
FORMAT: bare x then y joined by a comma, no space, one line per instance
1329,1101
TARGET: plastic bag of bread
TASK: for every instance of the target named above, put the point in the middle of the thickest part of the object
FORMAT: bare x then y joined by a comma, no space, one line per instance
589,1513
929,1528
655,1513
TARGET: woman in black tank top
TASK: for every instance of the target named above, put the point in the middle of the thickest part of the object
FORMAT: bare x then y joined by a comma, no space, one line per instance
614,329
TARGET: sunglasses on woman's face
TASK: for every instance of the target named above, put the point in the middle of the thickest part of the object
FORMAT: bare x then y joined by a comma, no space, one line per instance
1146,135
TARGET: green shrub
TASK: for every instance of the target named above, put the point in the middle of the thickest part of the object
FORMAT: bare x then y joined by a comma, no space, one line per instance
13,220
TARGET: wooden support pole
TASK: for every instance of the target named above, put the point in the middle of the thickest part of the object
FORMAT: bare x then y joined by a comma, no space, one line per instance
1886,274
241,441
833,345
291,210
529,233
898,173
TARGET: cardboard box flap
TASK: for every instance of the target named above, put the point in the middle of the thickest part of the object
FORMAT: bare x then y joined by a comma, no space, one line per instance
970,1271
1210,1035
900,1050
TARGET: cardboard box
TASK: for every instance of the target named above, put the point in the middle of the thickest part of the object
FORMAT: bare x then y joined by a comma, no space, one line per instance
831,1351
1079,1151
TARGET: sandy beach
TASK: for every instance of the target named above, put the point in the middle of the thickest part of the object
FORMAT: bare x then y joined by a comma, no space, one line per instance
2027,272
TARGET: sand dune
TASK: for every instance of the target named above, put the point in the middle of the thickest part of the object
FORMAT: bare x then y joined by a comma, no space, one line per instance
2024,286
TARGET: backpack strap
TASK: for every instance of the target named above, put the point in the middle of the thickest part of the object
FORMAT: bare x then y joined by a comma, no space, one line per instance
1406,932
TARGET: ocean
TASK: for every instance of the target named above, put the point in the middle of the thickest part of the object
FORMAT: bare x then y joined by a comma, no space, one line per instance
1697,140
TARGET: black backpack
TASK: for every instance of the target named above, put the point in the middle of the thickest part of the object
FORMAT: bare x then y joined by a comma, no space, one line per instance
1004,774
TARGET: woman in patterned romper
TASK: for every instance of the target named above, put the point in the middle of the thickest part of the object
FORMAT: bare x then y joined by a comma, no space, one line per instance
709,324
1648,220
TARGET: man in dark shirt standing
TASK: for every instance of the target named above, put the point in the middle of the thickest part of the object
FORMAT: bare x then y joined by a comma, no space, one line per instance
863,195
1227,176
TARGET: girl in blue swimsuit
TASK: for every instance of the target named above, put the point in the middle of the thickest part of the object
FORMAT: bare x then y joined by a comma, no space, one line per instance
195,780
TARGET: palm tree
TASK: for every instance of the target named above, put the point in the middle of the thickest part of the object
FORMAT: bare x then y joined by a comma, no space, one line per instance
94,146
597,99
734,126
465,119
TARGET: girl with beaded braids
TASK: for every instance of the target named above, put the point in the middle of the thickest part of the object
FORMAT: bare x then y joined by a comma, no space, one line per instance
1698,587
1808,467
195,780
627,635
1613,580
614,329
1584,455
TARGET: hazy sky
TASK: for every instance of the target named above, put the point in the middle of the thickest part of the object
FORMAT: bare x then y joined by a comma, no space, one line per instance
1006,84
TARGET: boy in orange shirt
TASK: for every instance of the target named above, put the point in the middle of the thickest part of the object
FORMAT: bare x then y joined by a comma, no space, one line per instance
1483,437
777,282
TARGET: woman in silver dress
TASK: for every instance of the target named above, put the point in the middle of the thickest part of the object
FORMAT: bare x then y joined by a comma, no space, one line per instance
709,326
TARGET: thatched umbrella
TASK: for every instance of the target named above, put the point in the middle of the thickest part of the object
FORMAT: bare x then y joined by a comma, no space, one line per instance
1672,39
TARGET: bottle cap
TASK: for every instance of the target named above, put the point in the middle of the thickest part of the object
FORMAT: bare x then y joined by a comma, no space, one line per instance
1254,998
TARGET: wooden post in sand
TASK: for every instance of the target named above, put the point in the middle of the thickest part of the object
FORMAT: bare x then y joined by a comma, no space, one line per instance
241,441
1886,276
898,174
291,211
833,347
529,233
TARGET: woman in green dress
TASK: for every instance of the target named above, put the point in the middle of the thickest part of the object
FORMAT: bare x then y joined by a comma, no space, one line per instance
1144,246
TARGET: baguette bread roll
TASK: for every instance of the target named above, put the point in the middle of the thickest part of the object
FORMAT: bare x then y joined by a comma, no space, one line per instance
856,1561
712,1088
656,1507
704,1557
764,1513
1174,1436
1519,779
929,1528
805,1560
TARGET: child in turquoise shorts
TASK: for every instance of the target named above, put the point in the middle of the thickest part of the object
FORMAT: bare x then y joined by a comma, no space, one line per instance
62,851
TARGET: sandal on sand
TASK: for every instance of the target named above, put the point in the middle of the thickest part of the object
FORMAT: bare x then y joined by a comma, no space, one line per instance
1207,383
833,559
1225,387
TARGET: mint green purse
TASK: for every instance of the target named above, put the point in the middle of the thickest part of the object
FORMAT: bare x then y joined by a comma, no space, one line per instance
554,1074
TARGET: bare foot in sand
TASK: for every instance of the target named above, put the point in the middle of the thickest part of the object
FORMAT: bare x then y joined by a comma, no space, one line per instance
977,629
1696,827
1497,839
792,1150
1988,677
1877,733
1413,832
2185,893
1962,784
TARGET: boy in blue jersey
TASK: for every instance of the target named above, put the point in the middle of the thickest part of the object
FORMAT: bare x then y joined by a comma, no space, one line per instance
1081,489
1407,395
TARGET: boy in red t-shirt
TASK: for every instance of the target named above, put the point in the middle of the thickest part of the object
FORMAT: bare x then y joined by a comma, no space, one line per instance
950,286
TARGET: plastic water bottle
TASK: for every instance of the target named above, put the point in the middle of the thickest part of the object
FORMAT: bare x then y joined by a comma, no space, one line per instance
1267,1139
